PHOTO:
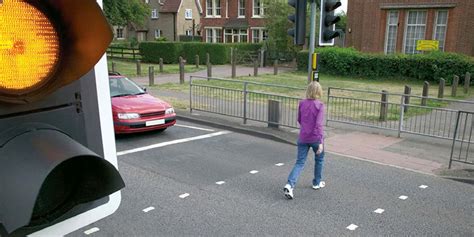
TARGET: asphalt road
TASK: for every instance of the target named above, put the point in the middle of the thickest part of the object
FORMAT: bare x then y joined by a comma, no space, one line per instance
172,191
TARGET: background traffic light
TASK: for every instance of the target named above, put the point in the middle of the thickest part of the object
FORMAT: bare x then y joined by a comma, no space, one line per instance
327,31
57,152
299,19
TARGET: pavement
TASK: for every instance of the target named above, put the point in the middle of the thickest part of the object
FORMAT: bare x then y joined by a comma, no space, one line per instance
419,154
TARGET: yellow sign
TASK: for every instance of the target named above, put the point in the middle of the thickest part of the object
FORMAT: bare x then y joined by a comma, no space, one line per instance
427,45
314,61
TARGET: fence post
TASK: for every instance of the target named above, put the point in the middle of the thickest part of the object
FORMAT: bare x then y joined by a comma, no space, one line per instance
151,76
454,138
442,84
275,67
161,65
245,102
262,57
139,68
402,114
181,70
424,94
197,61
255,68
467,82
384,106
113,66
191,94
454,86
232,56
407,98
273,113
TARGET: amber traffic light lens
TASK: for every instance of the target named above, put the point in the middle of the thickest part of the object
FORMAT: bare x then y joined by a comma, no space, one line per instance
29,47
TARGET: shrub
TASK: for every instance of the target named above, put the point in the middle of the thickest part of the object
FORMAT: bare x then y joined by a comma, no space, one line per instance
153,51
428,67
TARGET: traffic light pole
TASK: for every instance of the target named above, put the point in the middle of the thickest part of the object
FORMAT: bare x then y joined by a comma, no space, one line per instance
312,39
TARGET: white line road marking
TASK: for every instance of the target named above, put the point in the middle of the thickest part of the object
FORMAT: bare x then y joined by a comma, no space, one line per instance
92,230
148,209
185,195
423,186
280,164
192,127
254,171
121,153
220,182
379,211
403,197
352,227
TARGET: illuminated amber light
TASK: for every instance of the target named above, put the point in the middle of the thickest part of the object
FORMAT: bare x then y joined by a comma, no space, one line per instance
29,47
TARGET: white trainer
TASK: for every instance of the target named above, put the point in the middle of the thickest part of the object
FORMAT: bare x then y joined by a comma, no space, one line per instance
320,185
288,191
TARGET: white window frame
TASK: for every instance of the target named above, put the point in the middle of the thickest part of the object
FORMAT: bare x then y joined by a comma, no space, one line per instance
413,25
159,33
213,8
261,9
214,37
387,31
239,35
260,37
147,1
442,42
188,14
119,28
154,14
189,32
239,15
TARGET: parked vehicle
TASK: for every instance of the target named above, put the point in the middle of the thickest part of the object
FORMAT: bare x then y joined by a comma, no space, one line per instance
134,110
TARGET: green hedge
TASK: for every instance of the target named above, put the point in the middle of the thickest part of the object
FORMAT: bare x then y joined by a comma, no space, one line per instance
428,67
170,51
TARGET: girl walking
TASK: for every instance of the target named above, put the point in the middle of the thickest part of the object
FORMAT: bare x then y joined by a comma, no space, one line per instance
310,118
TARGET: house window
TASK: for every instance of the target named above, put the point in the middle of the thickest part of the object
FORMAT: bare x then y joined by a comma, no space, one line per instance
258,9
213,8
241,8
391,32
157,33
235,36
154,14
415,30
189,32
147,1
214,35
259,35
188,14
119,33
440,27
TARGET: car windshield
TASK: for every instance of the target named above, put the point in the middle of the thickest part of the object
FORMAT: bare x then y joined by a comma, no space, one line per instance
122,86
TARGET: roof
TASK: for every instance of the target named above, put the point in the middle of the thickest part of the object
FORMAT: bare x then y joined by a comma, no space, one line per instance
170,6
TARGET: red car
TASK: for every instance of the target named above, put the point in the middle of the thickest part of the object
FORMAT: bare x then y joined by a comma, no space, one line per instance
134,110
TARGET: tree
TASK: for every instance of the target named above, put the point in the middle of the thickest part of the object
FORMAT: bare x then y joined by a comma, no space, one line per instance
277,24
343,22
124,12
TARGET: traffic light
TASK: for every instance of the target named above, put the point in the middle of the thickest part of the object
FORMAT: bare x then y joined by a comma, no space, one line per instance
58,167
328,20
299,19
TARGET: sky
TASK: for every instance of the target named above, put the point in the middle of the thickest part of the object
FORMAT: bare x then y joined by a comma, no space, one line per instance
343,7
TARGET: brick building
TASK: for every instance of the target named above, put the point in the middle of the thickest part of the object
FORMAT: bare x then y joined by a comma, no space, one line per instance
394,26
233,21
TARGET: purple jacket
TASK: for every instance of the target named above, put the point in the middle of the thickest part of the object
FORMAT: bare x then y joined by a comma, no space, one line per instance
311,119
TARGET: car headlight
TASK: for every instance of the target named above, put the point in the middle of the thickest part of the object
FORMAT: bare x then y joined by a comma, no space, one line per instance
169,111
128,115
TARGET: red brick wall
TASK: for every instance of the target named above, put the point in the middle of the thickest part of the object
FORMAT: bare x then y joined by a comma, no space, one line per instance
367,21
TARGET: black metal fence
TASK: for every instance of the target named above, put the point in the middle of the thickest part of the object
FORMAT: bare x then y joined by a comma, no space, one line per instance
463,140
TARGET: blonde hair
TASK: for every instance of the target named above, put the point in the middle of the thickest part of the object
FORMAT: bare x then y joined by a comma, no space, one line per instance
314,91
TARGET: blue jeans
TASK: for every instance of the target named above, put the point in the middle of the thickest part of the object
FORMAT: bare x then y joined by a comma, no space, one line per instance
303,149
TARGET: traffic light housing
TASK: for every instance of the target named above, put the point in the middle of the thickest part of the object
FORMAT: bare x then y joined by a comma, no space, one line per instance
328,19
299,19
58,167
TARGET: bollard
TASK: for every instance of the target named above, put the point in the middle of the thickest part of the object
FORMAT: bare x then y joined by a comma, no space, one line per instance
161,65
209,70
181,70
255,68
407,98
208,58
113,67
275,67
467,82
424,94
232,56
196,60
262,57
151,76
273,113
384,106
139,68
442,84
454,86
